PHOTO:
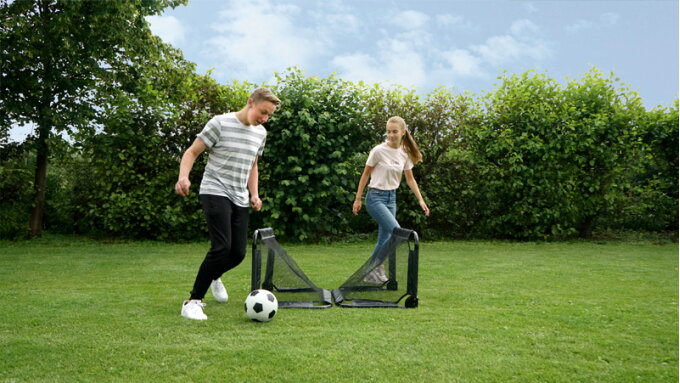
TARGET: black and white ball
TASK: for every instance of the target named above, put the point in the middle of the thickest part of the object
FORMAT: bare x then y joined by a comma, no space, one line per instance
261,305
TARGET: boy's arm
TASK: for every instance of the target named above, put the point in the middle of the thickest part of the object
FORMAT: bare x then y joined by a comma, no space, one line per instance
253,185
188,159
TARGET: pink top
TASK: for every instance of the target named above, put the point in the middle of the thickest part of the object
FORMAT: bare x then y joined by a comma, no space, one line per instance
388,165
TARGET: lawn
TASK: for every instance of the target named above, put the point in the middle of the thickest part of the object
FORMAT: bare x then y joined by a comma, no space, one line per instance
77,310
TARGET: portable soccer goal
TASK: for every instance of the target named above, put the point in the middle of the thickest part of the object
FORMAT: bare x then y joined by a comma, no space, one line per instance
283,276
399,255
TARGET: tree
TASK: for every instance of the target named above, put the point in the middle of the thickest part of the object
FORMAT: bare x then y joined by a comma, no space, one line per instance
56,57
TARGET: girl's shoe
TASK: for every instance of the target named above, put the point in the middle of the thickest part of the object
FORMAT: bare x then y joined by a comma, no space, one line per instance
380,273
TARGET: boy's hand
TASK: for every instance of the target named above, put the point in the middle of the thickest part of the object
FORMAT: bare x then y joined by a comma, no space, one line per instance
256,203
182,186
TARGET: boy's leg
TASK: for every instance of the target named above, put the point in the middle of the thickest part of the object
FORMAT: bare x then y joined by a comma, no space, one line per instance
218,213
239,237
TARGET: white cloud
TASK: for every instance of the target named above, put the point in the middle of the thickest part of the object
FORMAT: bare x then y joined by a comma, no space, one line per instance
462,63
416,39
448,20
342,22
530,8
524,27
258,38
410,19
605,20
358,67
524,41
414,57
500,50
579,26
253,39
609,19
397,62
168,28
334,16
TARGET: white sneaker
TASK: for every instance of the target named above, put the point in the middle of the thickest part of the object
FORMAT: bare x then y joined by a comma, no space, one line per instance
380,273
219,291
372,278
193,310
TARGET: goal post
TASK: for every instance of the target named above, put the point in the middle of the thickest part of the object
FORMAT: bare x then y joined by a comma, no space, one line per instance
282,275
399,257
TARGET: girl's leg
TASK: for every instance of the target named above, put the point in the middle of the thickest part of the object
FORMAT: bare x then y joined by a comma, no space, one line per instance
381,205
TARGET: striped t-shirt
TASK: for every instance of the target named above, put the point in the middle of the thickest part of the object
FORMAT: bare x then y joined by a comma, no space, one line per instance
234,147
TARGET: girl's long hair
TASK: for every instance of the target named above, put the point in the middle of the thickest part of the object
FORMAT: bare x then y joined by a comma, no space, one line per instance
408,143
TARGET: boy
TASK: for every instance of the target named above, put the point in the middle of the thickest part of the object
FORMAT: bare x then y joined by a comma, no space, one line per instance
236,141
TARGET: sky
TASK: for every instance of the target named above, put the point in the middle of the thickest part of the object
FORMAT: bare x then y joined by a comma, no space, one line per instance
425,44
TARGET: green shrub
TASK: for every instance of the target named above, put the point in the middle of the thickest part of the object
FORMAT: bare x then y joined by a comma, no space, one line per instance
310,168
531,159
16,189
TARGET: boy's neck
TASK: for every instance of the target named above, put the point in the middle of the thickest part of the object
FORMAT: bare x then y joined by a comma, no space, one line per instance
242,116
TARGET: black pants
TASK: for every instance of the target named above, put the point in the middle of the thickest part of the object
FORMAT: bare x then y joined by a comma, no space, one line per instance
228,229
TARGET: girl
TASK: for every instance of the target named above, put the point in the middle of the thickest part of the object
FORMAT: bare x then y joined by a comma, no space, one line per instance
385,164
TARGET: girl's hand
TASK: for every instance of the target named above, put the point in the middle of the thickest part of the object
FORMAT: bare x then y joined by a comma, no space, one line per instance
425,208
356,207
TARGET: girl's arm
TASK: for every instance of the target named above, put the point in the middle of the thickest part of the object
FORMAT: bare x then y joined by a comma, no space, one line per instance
360,190
413,185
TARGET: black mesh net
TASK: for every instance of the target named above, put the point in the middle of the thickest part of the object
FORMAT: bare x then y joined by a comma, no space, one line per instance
388,280
274,270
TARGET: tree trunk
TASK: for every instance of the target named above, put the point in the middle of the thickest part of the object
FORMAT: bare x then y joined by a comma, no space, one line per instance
40,184
586,229
45,123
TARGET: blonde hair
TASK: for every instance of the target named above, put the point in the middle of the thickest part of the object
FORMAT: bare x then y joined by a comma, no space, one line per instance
264,94
408,143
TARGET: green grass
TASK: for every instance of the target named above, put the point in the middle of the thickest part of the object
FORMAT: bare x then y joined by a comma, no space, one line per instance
76,310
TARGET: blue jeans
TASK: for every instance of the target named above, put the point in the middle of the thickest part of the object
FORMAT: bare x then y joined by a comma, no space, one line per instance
382,206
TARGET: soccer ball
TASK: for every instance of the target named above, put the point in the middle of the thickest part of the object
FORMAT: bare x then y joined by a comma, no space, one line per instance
261,305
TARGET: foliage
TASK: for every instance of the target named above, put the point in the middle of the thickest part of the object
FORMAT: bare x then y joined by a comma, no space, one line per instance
15,191
56,56
435,121
310,167
530,159
606,125
551,160
132,164
650,202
